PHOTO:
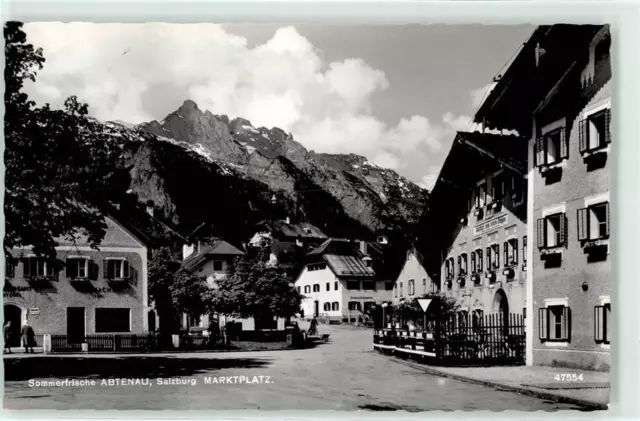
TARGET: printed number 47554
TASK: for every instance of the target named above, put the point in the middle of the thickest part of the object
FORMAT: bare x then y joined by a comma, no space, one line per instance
568,377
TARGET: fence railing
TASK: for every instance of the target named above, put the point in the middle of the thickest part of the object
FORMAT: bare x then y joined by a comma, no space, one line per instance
492,339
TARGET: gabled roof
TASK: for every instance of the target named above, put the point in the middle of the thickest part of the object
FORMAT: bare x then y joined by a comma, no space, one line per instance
281,229
219,248
149,230
348,266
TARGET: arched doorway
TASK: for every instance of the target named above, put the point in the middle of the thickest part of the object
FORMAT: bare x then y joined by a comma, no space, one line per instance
13,313
501,307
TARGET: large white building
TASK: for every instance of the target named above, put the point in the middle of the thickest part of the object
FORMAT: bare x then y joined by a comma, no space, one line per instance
339,282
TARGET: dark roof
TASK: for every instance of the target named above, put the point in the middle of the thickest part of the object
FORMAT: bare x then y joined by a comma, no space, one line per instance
219,248
335,246
280,229
510,151
286,251
542,60
148,229
348,266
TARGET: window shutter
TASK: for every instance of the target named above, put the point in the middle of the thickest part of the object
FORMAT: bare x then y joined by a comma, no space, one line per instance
607,219
598,323
71,268
125,269
480,260
564,143
459,264
515,251
488,251
497,255
26,270
583,224
539,155
473,262
563,229
566,323
607,126
543,324
583,135
105,269
541,230
505,253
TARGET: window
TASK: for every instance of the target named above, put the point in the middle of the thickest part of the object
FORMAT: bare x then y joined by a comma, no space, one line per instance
115,268
298,290
552,230
369,285
395,290
448,268
462,264
353,285
327,306
110,320
601,324
594,132
354,306
35,266
9,269
412,287
481,195
434,287
368,263
555,323
401,290
424,286
593,222
510,251
335,306
328,286
335,285
316,287
493,257
497,187
551,148
476,318
217,265
476,261
307,289
389,286
524,250
77,267
316,266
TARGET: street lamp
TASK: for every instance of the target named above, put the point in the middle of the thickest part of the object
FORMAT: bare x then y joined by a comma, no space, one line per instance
384,321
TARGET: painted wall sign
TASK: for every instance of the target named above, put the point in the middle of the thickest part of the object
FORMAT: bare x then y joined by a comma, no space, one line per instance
34,311
361,298
498,222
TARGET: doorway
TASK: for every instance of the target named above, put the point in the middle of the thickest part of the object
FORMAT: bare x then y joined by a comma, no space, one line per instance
501,307
75,325
13,313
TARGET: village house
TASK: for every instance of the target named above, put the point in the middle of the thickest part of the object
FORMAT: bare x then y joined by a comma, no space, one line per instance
413,280
302,234
477,223
557,94
339,281
97,290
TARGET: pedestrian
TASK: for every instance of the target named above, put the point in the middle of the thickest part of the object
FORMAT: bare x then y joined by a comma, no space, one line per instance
28,337
313,328
7,336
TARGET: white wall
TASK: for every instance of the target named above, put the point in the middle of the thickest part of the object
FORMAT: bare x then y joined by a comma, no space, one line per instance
320,277
412,269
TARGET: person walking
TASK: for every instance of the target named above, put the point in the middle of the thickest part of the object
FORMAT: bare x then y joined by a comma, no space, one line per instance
313,328
28,337
7,336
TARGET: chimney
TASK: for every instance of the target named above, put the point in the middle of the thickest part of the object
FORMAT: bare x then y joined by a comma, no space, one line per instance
363,248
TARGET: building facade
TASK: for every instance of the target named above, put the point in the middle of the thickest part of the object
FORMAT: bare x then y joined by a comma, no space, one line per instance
557,93
413,280
97,291
338,282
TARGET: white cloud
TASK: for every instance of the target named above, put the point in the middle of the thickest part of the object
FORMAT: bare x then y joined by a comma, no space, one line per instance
479,95
130,71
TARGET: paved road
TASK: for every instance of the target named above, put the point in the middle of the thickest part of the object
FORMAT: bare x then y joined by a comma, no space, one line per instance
344,374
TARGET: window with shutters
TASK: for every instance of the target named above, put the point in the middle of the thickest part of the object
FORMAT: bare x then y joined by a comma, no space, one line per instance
412,287
602,323
35,267
354,306
510,250
395,290
552,231
595,131
307,289
551,148
335,285
328,286
593,222
554,323
116,268
77,267
316,287
493,257
497,188
401,290
462,264
524,250
481,195
326,306
434,287
335,306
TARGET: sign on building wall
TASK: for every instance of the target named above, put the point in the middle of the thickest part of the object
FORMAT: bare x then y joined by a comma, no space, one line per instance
34,311
494,223
361,298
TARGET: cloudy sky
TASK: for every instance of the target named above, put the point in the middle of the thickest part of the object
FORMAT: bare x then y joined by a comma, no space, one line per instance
395,94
